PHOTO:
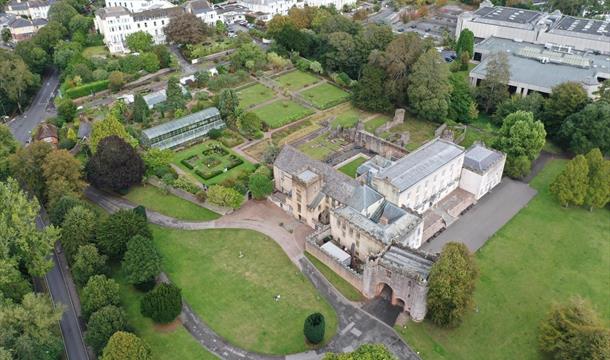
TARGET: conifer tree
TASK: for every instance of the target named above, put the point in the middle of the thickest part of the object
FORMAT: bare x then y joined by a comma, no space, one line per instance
570,187
598,191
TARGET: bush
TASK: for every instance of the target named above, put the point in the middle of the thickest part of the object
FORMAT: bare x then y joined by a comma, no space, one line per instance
102,324
124,345
222,196
140,210
185,184
87,89
163,304
215,134
314,328
201,195
117,229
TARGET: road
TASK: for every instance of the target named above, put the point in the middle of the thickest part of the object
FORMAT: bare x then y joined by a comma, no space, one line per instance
40,109
70,330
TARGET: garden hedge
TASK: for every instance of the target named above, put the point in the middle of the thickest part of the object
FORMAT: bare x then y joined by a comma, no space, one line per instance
87,89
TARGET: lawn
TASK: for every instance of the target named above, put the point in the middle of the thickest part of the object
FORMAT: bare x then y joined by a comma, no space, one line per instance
210,164
421,131
231,277
350,168
281,112
325,96
545,254
95,51
345,288
296,80
347,119
154,199
321,147
254,95
170,343
473,135
375,123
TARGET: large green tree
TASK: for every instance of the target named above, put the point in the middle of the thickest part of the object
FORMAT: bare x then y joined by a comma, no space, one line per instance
8,146
465,43
369,91
494,88
260,186
108,127
570,187
61,12
140,109
228,105
60,208
186,29
139,41
587,129
429,88
99,292
102,324
175,98
223,196
533,103
522,139
88,262
598,191
17,82
62,174
33,55
26,166
117,229
77,229
124,345
566,99
451,285
574,331
115,165
462,106
142,262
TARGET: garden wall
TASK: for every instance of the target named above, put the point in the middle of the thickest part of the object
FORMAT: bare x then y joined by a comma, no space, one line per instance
189,197
378,145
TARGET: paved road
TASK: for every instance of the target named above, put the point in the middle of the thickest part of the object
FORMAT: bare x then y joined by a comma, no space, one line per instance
486,217
70,329
40,109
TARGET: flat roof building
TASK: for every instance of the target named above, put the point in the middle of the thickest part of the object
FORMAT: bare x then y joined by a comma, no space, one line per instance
183,130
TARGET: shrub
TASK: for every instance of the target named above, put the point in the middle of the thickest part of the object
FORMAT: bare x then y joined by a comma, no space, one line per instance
102,324
117,229
163,304
215,134
185,184
140,210
222,196
87,89
201,195
124,345
314,328
260,186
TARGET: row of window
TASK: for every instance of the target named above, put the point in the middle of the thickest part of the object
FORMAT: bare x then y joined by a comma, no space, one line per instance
202,125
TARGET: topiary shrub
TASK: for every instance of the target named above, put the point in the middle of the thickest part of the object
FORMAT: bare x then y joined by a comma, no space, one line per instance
314,328
163,304
140,210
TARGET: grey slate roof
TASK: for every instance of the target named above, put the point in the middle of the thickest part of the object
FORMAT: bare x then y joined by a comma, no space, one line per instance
363,197
39,22
479,159
158,13
408,260
336,184
199,6
180,123
19,23
415,166
112,11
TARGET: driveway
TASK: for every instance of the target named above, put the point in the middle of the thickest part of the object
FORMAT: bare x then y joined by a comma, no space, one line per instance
487,217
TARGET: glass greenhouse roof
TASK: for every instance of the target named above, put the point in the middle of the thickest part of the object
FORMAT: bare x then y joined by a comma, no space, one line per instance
180,123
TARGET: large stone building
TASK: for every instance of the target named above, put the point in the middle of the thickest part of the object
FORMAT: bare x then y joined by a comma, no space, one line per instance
536,27
375,223
281,7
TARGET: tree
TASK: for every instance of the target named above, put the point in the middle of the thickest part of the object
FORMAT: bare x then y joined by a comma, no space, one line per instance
35,57
364,352
142,262
150,62
163,304
16,80
277,62
494,88
460,101
26,166
202,78
570,187
61,12
116,80
164,56
8,146
6,35
49,35
110,126
157,160
533,103
314,328
66,109
140,109
465,43
186,29
116,230
250,124
587,129
451,285
99,292
80,23
29,328
62,174
598,191
23,245
429,88
175,99
102,324
260,186
60,208
222,196
88,262
123,345
566,99
228,103
522,139
65,52
574,331
77,230
115,165
369,91
139,41
248,56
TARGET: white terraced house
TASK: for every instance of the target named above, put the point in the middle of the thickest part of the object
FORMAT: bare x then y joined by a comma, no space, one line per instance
281,7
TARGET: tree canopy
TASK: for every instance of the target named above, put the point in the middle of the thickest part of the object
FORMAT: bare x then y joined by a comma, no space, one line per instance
103,324
99,292
124,345
142,262
88,262
494,88
163,304
364,352
110,126
139,41
78,229
115,165
587,129
117,229
570,187
186,29
566,99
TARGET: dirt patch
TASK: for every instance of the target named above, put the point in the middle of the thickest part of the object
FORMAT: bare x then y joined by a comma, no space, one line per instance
169,327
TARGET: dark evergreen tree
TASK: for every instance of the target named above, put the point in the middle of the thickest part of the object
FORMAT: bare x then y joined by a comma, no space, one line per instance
465,43
369,92
115,165
102,324
175,98
163,304
314,328
140,109
141,263
61,207
117,229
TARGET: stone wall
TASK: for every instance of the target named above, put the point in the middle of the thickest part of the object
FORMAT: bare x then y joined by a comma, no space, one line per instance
378,145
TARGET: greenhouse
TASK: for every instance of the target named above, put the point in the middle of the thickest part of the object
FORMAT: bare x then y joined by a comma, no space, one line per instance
183,130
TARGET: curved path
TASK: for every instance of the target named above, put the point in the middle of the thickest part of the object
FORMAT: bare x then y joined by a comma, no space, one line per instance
355,327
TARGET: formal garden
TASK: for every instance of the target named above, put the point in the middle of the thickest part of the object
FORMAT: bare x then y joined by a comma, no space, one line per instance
322,146
210,162
242,284
281,112
297,80
544,255
254,94
325,96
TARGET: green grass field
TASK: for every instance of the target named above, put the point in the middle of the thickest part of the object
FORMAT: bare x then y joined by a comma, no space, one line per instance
196,150
154,199
350,168
296,80
281,112
236,296
545,254
345,288
170,343
421,131
95,51
373,124
325,96
320,147
347,119
254,95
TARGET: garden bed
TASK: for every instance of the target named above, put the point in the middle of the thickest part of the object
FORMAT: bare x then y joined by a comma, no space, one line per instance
322,146
325,96
254,95
281,112
296,80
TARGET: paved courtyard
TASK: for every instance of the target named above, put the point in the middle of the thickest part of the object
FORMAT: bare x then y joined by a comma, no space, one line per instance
486,217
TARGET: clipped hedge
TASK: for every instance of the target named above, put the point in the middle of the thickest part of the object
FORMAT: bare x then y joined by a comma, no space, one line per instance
186,163
87,89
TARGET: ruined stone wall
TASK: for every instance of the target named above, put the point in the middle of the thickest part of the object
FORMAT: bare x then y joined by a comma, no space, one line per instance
378,145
